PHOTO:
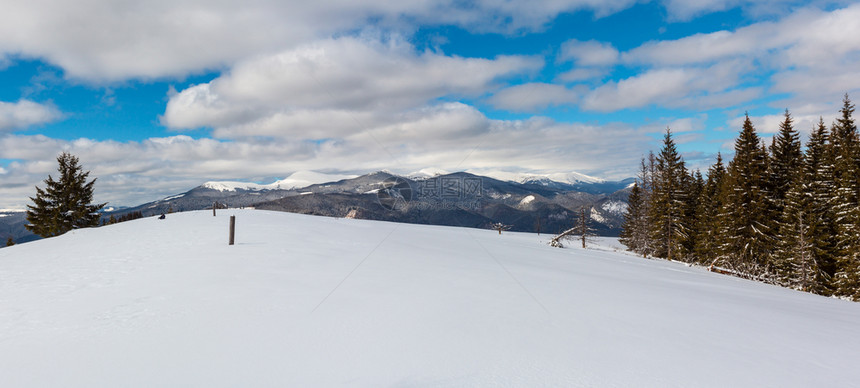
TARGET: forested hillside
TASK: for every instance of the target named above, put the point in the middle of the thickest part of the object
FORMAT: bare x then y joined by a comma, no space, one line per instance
776,213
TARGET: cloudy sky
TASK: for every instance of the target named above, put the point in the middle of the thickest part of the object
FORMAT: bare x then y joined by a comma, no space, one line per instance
159,96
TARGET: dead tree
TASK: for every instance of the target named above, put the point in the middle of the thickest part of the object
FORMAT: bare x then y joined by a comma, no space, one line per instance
556,241
582,229
500,227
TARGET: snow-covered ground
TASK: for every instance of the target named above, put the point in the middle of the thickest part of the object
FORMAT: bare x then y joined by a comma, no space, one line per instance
312,301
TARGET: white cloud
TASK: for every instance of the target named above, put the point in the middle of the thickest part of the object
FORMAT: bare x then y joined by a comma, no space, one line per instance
358,81
532,96
25,113
809,56
451,136
677,125
588,53
684,10
102,41
769,124
697,88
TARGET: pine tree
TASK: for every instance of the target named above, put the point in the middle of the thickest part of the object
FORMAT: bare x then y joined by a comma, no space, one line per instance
635,229
796,263
808,248
785,162
10,242
694,187
710,203
647,173
64,204
633,232
747,234
667,201
845,153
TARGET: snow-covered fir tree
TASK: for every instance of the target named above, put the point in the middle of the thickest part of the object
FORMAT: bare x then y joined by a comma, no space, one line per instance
746,230
667,202
784,215
784,162
845,153
710,203
634,230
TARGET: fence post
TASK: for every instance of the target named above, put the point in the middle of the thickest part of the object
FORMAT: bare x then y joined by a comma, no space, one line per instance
214,205
232,229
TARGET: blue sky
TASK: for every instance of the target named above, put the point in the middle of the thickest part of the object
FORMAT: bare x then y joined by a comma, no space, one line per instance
159,97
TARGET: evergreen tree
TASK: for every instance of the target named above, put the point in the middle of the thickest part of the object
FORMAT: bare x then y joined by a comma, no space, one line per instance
710,203
10,242
785,162
808,247
747,231
647,173
64,204
667,201
845,154
694,187
634,230
796,263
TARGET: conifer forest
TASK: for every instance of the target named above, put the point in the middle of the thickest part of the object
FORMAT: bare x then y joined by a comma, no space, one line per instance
782,213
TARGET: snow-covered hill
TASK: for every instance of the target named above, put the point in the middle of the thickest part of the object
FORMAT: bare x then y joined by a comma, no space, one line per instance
314,301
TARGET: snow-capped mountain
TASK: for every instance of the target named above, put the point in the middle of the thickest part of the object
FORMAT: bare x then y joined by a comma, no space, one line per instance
524,205
425,173
296,180
570,181
12,223
568,178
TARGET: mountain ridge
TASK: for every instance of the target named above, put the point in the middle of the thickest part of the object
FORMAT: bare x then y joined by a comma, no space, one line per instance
553,207
435,198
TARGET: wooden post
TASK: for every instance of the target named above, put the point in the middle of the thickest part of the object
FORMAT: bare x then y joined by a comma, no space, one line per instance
214,205
232,229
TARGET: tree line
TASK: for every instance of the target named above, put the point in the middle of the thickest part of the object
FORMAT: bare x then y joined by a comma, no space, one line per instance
778,213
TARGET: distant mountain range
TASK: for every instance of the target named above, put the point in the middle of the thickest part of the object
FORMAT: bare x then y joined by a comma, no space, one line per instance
527,202
12,225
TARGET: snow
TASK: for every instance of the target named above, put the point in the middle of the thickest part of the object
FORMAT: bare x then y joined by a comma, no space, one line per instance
614,207
596,216
10,212
233,186
303,179
519,177
527,200
425,173
172,197
296,180
315,301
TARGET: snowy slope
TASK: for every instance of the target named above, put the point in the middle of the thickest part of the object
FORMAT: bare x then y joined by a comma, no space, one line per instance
425,173
313,301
